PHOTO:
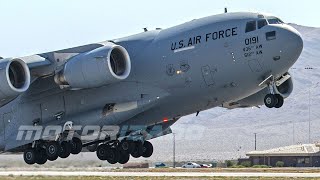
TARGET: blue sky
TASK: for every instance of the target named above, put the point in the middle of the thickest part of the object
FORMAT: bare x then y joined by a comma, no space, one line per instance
35,26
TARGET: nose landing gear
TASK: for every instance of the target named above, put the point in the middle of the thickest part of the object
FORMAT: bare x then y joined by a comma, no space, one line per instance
273,100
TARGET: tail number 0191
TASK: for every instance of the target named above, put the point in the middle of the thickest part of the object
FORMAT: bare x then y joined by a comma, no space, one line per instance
252,40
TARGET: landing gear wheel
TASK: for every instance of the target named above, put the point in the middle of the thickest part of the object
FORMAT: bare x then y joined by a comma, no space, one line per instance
124,158
147,149
52,158
65,149
29,156
53,150
112,155
102,152
137,150
41,157
280,101
126,147
270,100
76,145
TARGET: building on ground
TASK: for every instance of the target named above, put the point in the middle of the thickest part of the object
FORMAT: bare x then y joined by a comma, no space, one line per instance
302,155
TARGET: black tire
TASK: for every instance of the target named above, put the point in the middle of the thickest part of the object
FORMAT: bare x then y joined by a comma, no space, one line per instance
147,149
53,150
52,158
124,158
280,101
65,149
41,157
76,145
102,152
270,100
126,147
112,155
29,156
137,150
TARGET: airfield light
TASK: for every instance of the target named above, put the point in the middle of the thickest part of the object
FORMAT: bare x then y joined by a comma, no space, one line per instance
165,119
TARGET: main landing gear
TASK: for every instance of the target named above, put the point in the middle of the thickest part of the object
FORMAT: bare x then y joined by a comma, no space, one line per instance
112,151
119,152
43,151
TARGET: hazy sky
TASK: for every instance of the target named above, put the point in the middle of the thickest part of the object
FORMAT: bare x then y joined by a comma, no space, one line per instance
35,26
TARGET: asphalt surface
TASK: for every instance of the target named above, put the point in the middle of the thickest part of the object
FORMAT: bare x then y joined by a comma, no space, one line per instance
171,174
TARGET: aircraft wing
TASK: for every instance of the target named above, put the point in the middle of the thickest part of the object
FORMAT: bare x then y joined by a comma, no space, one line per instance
36,61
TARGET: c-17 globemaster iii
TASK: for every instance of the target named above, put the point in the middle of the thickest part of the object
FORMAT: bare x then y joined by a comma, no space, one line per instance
114,96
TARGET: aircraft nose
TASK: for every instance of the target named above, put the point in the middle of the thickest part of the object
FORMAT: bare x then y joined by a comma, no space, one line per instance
295,43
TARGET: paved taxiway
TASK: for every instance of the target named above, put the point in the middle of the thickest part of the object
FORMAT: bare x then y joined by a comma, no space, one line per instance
154,174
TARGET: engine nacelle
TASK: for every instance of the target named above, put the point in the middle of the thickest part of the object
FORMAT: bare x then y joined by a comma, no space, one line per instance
284,87
14,77
105,65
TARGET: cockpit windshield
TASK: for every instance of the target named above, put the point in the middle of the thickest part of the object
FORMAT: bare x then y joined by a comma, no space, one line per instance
274,20
261,22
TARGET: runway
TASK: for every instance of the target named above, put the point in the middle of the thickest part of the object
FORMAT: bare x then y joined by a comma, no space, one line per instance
155,174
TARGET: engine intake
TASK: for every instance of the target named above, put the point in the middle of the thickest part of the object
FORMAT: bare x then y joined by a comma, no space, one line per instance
105,65
14,77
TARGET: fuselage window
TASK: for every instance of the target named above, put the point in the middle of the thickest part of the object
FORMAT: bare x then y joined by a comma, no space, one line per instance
251,26
274,20
262,23
271,35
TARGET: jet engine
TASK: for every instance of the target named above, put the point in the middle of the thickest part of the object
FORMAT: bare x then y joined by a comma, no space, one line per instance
14,78
105,65
283,86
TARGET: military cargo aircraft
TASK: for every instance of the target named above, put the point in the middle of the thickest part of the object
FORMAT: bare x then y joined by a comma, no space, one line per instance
113,97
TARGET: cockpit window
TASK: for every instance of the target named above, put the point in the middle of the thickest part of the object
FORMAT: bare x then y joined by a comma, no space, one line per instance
251,26
274,20
262,23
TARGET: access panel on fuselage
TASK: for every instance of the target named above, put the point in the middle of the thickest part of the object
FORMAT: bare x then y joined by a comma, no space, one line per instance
53,109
